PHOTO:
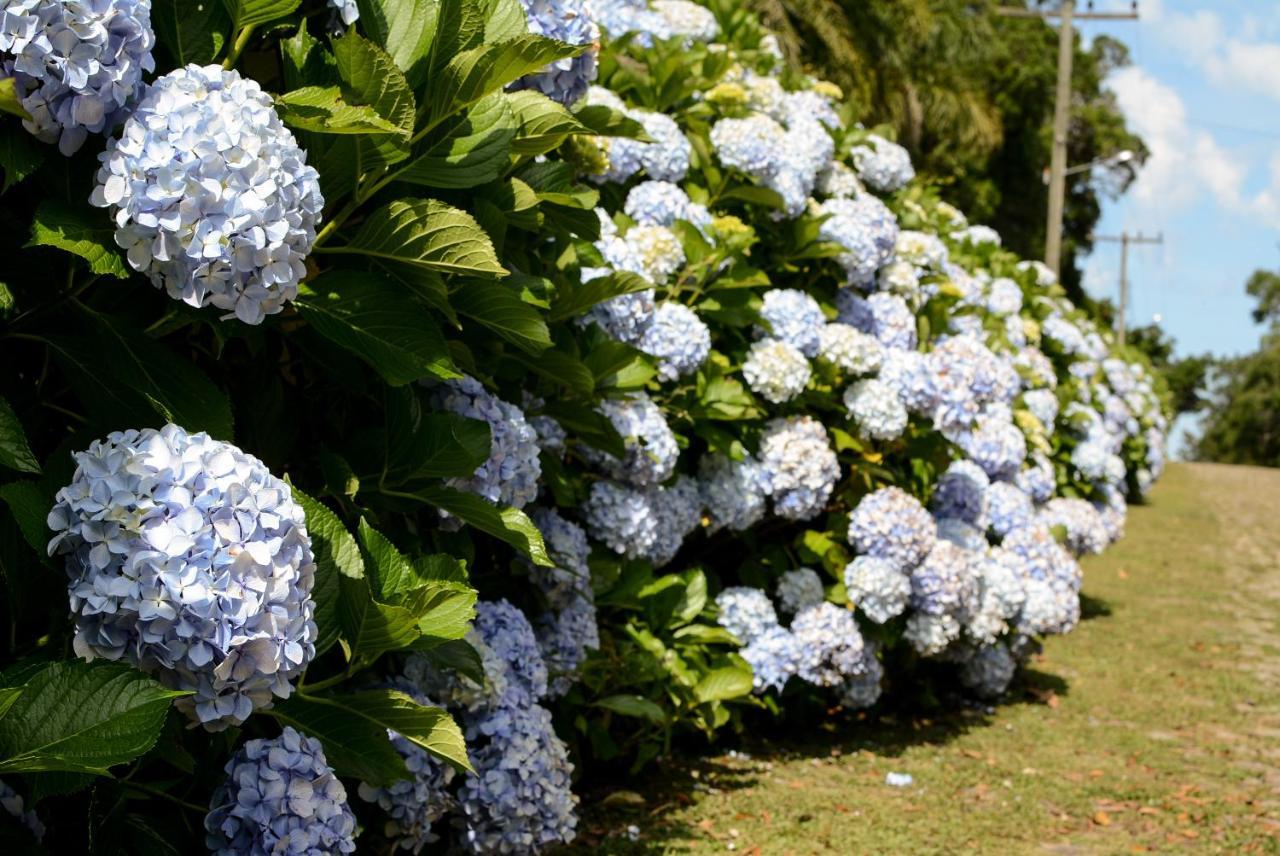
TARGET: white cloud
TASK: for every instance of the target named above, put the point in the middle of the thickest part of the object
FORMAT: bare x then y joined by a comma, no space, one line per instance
1186,165
1244,61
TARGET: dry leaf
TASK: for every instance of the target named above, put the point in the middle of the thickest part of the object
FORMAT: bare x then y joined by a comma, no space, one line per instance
1102,818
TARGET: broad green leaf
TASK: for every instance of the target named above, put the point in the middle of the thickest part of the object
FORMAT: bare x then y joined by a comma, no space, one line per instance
251,13
371,77
353,727
497,307
8,695
384,325
724,683
542,124
456,656
30,508
15,452
443,445
607,122
389,571
565,370
10,100
337,555
426,284
575,298
142,379
507,524
20,153
371,628
80,232
323,110
618,366
633,705
694,597
460,25
469,149
475,73
444,608
506,18
427,233
191,32
404,29
82,718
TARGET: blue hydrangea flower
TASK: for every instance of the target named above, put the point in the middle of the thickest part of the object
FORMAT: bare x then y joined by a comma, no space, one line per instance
961,493
800,465
619,17
1094,462
510,475
667,157
944,582
926,251
966,377
188,559
1064,334
750,145
623,517
774,657
661,203
810,105
506,631
775,370
746,612
891,524
883,166
678,338
976,235
793,317
679,512
734,493
627,317
12,803
564,80
567,546
800,588
1037,478
212,197
280,796
876,409
1043,558
1043,405
961,533
903,279
862,690
849,349
659,250
565,635
1004,297
866,228
830,644
883,315
877,587
1086,532
1001,595
651,449
996,445
907,371
784,160
1008,508
686,19
347,10
77,66
989,670
931,634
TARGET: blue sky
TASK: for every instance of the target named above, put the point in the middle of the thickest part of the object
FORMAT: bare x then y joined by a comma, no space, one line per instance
1204,92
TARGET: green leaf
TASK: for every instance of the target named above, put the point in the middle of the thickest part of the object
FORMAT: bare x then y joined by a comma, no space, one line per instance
633,705
8,695
10,100
323,110
191,32
466,150
427,233
337,555
353,728
497,307
20,153
507,524
543,124
142,379
574,299
564,370
606,122
475,73
369,76
446,445
15,453
616,365
80,232
371,628
389,571
384,325
404,29
82,718
724,683
456,655
30,508
251,13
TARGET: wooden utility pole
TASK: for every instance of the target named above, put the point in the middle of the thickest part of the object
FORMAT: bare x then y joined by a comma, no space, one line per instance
1124,239
1066,13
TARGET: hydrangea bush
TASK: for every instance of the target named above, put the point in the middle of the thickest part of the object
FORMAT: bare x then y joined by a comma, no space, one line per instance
326,326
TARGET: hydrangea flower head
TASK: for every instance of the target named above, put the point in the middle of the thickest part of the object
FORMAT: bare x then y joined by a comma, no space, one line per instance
774,657
77,66
12,803
996,445
679,511
661,203
564,80
347,11
882,165
746,612
800,588
623,517
891,524
907,371
849,349
565,635
866,228
1008,508
510,475
568,548
651,449
989,670
875,408
190,560
776,370
1086,531
830,644
659,251
877,587
211,195
280,796
800,465
678,338
795,318
944,582
734,493
931,634
961,493
1038,479
686,19
883,315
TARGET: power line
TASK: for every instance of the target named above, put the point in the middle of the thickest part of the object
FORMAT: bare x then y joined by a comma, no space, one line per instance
1124,239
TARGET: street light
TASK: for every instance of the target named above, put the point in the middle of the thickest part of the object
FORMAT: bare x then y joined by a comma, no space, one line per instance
1119,157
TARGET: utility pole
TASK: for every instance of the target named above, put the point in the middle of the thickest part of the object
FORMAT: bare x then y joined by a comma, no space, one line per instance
1066,13
1124,239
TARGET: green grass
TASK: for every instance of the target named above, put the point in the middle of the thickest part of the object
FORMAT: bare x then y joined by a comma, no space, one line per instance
1152,728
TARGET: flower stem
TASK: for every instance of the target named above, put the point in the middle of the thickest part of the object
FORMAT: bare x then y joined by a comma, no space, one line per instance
155,792
242,40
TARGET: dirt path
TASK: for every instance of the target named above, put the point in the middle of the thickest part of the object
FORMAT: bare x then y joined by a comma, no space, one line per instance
1154,727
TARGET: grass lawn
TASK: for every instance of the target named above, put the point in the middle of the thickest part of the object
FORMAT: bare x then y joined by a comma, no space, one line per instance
1154,727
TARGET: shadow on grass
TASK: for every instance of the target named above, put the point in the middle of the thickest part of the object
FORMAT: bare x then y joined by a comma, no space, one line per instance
650,802
1094,607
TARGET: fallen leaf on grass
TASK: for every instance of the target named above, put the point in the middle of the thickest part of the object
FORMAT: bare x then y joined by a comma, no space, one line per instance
1101,818
625,798
1148,809
1190,833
